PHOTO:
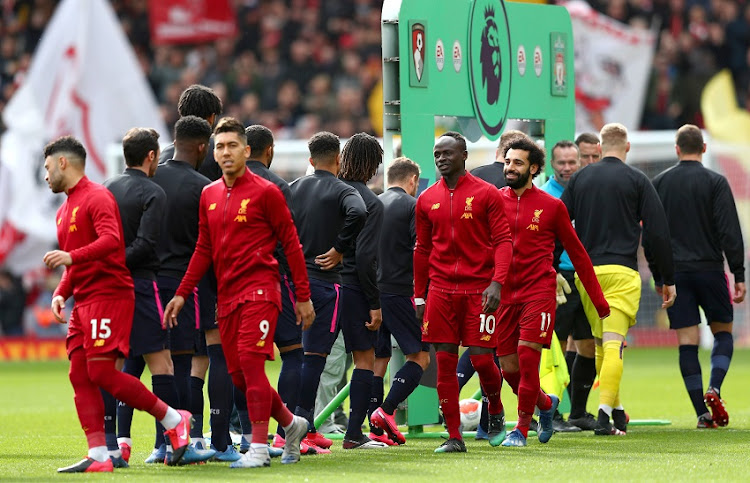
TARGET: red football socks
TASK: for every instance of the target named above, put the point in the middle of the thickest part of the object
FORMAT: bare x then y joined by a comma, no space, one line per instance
447,389
88,400
489,377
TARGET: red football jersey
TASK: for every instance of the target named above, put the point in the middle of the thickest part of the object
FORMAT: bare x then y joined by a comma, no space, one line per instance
89,228
463,240
537,219
239,228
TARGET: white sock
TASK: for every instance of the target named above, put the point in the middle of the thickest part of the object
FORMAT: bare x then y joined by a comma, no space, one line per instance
287,428
248,437
620,408
99,453
606,409
169,448
195,442
128,441
171,419
259,448
116,453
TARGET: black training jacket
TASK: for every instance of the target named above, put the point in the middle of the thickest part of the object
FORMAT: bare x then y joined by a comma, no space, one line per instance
183,186
396,250
491,173
329,214
141,203
608,201
361,261
702,219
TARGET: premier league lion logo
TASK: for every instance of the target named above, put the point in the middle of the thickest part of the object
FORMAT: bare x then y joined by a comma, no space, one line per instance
490,56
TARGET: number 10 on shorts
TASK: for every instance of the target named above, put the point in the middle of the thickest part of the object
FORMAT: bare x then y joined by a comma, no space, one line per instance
487,323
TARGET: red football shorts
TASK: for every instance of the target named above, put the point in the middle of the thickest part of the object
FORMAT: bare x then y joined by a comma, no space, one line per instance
250,327
456,318
101,326
530,321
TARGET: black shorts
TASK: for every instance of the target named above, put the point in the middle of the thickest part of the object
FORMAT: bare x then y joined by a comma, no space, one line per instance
206,311
570,319
355,313
399,320
147,335
326,298
182,337
707,290
288,332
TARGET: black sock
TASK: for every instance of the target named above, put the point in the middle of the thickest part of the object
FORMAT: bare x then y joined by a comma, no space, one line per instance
289,380
721,356
404,382
581,379
690,368
110,420
134,367
464,370
165,389
312,368
240,402
376,400
570,357
359,399
484,416
182,365
196,406
220,396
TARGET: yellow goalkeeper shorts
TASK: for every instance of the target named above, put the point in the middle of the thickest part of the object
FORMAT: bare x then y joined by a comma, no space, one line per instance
622,289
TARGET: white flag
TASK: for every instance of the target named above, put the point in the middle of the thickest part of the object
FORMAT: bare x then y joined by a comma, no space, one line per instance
85,81
612,64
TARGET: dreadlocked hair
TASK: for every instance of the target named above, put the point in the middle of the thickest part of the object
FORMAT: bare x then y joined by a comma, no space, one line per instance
360,158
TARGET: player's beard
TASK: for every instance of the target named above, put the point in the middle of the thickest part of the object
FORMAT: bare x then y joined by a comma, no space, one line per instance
519,182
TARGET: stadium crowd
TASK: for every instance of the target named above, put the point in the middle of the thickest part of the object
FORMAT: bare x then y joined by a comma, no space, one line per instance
299,66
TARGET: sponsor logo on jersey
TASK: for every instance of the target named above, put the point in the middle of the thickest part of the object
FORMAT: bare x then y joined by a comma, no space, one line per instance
212,207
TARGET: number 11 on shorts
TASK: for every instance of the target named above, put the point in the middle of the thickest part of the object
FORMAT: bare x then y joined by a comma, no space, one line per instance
546,321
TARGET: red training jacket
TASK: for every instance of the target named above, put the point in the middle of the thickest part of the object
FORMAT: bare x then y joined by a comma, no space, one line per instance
463,240
537,219
89,228
238,230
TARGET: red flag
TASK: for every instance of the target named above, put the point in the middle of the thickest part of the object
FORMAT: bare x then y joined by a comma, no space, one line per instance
190,21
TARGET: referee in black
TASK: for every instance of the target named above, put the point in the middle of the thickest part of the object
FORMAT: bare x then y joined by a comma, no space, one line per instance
705,228
608,201
329,215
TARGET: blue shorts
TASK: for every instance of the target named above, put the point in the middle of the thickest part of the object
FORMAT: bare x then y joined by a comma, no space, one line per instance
182,337
147,335
570,319
707,290
399,320
326,298
288,332
355,313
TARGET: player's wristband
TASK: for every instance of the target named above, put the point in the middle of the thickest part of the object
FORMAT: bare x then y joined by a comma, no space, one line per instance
418,301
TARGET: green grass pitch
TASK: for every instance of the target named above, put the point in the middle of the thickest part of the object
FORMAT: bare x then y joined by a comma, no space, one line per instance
39,432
